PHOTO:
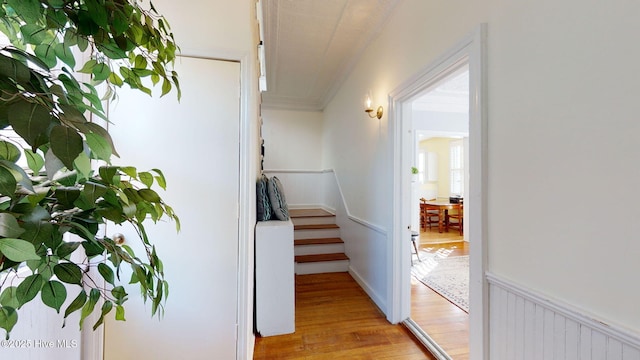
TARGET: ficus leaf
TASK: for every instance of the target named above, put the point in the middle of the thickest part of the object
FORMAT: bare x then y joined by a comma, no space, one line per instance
88,307
149,195
146,178
120,313
67,248
9,298
9,226
28,9
34,160
8,319
8,183
29,288
30,121
64,53
54,294
106,308
68,272
9,151
77,303
66,144
106,272
101,72
18,250
99,145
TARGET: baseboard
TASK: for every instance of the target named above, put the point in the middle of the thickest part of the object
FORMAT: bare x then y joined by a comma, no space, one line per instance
379,301
547,328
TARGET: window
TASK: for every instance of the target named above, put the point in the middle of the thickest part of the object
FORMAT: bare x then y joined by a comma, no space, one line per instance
456,165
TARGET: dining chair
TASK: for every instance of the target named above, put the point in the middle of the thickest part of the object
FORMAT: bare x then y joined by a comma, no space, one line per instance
429,215
457,215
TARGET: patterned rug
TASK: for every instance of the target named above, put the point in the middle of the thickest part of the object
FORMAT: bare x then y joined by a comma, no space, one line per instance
448,276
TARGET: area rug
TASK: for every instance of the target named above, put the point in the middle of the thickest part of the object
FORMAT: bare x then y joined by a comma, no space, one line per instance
448,276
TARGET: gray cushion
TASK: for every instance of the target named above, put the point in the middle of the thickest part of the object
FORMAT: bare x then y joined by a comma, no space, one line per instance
278,200
264,205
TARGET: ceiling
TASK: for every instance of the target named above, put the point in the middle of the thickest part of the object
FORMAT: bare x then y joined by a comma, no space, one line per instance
311,46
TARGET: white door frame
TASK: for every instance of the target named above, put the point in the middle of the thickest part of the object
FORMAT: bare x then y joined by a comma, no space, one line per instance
471,49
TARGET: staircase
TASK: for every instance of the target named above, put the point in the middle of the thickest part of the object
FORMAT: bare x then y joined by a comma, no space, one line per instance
317,244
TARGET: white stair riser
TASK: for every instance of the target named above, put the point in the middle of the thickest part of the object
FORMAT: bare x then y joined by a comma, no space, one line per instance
314,220
322,267
318,249
316,234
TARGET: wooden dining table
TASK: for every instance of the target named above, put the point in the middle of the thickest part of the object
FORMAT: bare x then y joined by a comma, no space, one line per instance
443,209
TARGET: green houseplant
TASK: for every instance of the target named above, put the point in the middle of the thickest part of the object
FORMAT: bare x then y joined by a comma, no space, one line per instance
63,192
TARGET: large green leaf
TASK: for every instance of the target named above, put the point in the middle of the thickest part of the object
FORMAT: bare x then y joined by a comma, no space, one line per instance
8,297
67,195
66,248
69,273
88,307
29,288
75,305
106,272
120,313
30,10
101,72
9,227
66,144
93,191
34,160
63,53
14,69
47,53
19,174
106,308
53,294
9,151
8,319
31,122
8,183
99,145
18,249
149,195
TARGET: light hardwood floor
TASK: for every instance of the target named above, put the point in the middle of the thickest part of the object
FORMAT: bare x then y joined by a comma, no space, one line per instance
335,319
446,323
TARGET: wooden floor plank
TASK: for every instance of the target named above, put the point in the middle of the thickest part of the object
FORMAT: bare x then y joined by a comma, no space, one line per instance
302,213
446,323
335,319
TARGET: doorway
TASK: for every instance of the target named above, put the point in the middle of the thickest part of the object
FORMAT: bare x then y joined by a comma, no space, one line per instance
471,51
440,266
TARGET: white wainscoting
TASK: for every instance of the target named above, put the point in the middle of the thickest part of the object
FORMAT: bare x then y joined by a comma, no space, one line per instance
526,326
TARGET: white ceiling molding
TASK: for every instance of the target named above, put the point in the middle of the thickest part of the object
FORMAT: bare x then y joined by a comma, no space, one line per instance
311,47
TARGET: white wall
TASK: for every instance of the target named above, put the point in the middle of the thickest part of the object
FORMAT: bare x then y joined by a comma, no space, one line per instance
561,84
293,139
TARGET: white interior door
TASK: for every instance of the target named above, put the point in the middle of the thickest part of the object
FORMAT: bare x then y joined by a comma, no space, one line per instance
196,144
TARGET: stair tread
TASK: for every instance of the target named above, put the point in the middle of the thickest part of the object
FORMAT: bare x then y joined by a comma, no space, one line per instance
315,227
318,241
321,257
303,213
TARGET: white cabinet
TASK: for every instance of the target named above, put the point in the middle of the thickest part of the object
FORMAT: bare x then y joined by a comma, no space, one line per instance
275,282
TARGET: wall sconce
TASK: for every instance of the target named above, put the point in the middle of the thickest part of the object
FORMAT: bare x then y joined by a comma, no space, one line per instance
369,110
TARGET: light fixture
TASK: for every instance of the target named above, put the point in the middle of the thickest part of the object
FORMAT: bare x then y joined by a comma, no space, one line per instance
369,110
